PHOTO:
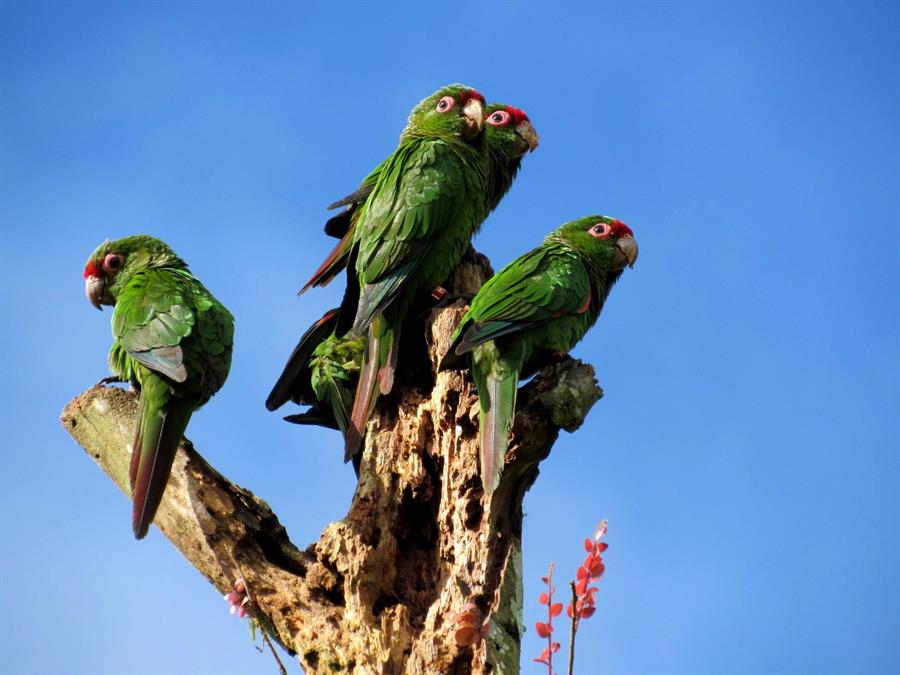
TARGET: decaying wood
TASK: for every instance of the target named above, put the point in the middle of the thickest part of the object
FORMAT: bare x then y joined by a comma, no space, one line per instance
377,592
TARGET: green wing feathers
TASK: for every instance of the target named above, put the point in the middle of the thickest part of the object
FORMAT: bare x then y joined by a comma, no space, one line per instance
414,228
538,304
175,339
151,319
535,290
416,201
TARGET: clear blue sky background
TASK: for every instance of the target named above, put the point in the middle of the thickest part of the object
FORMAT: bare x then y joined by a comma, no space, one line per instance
746,453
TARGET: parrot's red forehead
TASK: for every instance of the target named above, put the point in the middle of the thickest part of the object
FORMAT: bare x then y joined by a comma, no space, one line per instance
468,94
621,229
518,115
92,270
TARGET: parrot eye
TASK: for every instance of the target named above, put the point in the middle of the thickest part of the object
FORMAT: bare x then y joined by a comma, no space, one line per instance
445,104
113,262
600,230
498,118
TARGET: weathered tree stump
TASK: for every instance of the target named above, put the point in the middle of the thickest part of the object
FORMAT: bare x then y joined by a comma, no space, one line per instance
378,591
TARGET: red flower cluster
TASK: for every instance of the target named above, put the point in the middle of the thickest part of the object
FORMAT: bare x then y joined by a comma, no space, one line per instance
545,630
583,604
590,572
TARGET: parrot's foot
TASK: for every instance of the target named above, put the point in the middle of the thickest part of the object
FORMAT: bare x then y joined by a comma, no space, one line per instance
133,384
445,298
112,379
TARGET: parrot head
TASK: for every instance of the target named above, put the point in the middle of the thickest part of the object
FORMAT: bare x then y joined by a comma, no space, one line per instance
452,111
508,130
114,262
608,243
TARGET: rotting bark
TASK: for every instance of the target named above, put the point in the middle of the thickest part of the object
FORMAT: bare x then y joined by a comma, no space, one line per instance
377,592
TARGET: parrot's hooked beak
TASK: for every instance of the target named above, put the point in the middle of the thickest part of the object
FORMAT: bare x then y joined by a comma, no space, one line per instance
528,138
473,118
95,290
528,132
628,247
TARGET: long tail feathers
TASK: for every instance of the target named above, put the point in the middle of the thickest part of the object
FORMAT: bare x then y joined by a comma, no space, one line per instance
366,396
376,376
314,417
333,264
341,402
135,447
298,362
350,301
390,348
497,395
159,432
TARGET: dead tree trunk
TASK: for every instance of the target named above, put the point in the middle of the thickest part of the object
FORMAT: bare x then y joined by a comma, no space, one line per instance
378,591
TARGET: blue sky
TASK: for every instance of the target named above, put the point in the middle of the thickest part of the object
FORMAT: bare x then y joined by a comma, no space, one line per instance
746,453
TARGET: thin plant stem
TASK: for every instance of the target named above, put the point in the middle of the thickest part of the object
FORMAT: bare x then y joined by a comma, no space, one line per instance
550,620
262,630
574,628
268,642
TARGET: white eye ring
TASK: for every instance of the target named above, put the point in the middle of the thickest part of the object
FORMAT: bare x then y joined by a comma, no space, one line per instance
498,118
113,262
446,103
600,230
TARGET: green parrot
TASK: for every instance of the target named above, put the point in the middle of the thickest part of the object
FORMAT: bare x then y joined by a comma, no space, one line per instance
171,338
540,304
428,199
321,372
508,135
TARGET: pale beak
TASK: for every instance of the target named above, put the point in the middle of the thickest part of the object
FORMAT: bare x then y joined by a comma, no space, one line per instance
94,290
527,133
473,113
629,249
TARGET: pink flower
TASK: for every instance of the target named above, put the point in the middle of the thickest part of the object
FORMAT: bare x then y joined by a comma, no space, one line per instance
238,598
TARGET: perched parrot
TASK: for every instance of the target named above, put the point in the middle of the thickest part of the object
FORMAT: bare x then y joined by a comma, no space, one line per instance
508,135
171,338
427,200
322,373
540,304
